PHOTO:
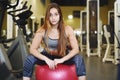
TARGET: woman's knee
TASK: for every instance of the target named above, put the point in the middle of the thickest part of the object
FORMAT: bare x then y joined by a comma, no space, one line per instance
78,58
30,59
28,66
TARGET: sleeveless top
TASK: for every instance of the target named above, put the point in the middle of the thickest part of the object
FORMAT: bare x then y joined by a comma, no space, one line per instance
50,43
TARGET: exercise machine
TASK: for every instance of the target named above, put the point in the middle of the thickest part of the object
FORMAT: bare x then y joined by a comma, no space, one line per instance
15,55
83,28
5,74
22,16
4,5
109,52
93,28
117,35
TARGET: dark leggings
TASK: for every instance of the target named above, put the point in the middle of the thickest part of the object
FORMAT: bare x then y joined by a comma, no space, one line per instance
31,61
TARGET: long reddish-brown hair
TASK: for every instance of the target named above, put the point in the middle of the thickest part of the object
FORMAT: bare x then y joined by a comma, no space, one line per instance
62,42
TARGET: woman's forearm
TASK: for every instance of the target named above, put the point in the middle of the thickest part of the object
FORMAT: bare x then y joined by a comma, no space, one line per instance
37,54
70,54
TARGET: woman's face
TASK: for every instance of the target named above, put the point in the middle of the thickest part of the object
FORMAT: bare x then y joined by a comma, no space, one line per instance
54,16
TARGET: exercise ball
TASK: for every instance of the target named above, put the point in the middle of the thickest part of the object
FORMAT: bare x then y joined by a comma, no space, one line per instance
61,72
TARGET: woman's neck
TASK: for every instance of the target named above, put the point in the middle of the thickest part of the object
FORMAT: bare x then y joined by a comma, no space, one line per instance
55,26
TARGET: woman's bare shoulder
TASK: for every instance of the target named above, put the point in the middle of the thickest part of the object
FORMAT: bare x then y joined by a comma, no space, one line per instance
40,31
68,29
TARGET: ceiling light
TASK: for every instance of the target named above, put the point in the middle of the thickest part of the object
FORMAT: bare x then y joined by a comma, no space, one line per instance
70,16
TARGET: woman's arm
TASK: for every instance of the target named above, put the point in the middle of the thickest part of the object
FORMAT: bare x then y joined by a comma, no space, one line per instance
34,49
74,45
36,42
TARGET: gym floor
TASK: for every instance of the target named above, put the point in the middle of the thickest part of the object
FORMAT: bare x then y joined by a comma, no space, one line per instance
96,69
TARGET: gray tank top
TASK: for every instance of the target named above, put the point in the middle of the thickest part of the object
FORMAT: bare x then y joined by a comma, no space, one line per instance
52,43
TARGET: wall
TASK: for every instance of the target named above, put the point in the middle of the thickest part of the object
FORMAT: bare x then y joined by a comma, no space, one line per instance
39,8
104,11
104,14
75,22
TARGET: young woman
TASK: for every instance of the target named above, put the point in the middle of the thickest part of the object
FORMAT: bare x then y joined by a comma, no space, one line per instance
55,36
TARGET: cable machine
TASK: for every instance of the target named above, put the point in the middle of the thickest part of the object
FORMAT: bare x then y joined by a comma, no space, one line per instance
117,30
93,28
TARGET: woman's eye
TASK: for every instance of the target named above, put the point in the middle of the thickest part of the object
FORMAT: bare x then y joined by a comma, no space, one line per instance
53,15
56,14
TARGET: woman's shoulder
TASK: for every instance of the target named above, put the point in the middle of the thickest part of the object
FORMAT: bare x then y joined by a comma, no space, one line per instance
40,31
68,28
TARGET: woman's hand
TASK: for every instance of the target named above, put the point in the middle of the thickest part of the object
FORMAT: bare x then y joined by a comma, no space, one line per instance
50,63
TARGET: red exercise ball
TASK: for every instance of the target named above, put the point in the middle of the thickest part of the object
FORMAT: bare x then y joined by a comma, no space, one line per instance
62,72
